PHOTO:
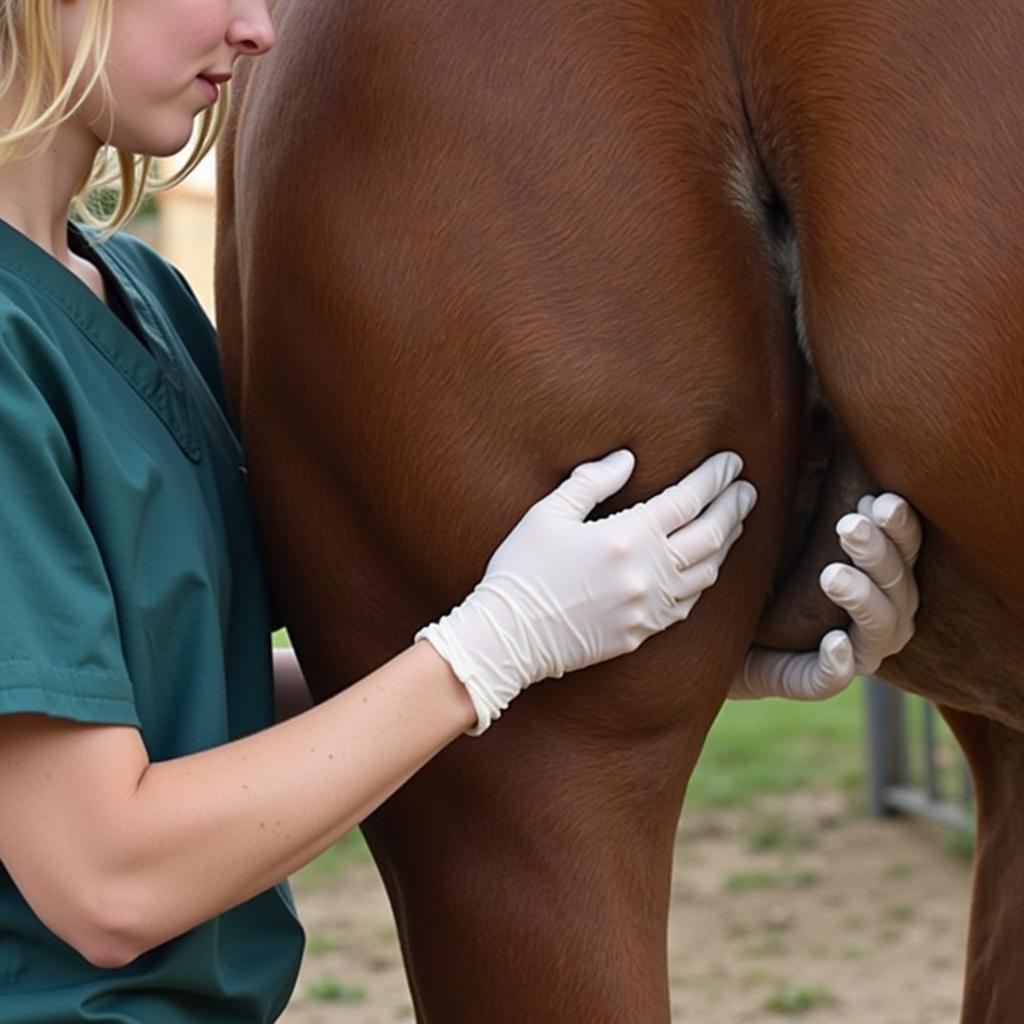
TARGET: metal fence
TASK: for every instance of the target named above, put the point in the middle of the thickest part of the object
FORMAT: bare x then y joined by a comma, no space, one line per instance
914,765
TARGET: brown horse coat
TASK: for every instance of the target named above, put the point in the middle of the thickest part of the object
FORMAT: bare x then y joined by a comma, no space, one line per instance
466,244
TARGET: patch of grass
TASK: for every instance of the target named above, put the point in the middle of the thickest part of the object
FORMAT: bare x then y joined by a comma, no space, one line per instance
802,879
776,834
792,1001
959,844
757,977
769,946
776,746
899,913
351,849
331,990
319,944
898,869
746,881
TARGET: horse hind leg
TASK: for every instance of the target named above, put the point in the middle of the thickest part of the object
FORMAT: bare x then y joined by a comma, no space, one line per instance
530,870
994,986
602,257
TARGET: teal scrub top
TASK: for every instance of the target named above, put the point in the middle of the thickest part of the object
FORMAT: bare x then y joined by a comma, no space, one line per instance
131,593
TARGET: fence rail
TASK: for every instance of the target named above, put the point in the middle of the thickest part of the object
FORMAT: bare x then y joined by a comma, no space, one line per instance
905,753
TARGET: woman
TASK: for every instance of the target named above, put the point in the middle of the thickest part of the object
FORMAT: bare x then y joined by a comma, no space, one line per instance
149,810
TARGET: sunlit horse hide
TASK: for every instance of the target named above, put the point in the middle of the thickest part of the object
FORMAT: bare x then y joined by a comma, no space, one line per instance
465,244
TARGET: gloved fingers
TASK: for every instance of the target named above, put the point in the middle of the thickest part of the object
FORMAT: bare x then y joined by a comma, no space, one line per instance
877,622
679,504
703,537
865,505
589,484
814,675
895,515
691,583
872,550
863,540
901,525
836,665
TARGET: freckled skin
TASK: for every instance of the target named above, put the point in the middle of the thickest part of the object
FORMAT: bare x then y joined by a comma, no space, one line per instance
463,247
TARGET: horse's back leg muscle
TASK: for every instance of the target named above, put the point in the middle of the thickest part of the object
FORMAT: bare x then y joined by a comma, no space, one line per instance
527,251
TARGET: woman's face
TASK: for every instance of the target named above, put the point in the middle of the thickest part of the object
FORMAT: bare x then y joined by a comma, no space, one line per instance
161,54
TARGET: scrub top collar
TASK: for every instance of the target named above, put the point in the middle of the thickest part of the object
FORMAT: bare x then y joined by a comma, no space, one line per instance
152,369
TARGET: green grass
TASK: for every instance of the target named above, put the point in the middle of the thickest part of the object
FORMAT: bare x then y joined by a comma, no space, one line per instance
320,944
331,990
780,835
959,844
899,913
795,1001
774,746
748,881
352,849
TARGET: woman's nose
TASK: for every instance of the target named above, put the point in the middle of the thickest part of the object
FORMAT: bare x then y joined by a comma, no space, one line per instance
251,31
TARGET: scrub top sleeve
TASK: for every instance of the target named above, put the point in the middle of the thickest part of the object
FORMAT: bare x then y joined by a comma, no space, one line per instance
60,647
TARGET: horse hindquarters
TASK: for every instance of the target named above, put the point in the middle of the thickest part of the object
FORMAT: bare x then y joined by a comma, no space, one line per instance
889,135
507,271
889,143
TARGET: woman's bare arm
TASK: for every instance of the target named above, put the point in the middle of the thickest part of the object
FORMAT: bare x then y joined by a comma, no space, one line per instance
117,855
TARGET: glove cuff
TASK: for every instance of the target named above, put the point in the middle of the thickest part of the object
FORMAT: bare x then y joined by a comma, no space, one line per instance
442,638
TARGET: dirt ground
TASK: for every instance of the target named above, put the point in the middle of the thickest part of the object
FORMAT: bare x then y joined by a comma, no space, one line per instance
795,909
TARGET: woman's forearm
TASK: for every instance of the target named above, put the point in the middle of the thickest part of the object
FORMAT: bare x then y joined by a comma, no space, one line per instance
156,849
239,818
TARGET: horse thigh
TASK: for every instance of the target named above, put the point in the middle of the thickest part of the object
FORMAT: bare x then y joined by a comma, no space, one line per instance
530,869
892,147
543,282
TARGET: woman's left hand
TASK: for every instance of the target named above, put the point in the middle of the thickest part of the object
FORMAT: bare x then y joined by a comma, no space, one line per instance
878,591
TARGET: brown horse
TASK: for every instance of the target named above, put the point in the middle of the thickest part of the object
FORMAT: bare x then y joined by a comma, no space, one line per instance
466,244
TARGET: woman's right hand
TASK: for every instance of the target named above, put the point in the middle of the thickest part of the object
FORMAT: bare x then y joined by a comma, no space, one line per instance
561,592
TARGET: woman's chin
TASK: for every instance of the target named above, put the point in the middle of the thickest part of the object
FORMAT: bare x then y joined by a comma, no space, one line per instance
154,144
170,146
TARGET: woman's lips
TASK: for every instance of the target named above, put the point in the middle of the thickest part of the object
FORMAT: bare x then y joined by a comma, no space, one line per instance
211,82
210,90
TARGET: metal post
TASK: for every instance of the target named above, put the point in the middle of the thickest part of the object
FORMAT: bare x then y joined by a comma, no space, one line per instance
932,780
888,763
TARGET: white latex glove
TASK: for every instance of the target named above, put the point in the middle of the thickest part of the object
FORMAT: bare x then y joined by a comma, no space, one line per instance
561,593
883,539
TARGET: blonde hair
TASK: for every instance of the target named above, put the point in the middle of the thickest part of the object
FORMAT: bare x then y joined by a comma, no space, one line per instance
30,56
